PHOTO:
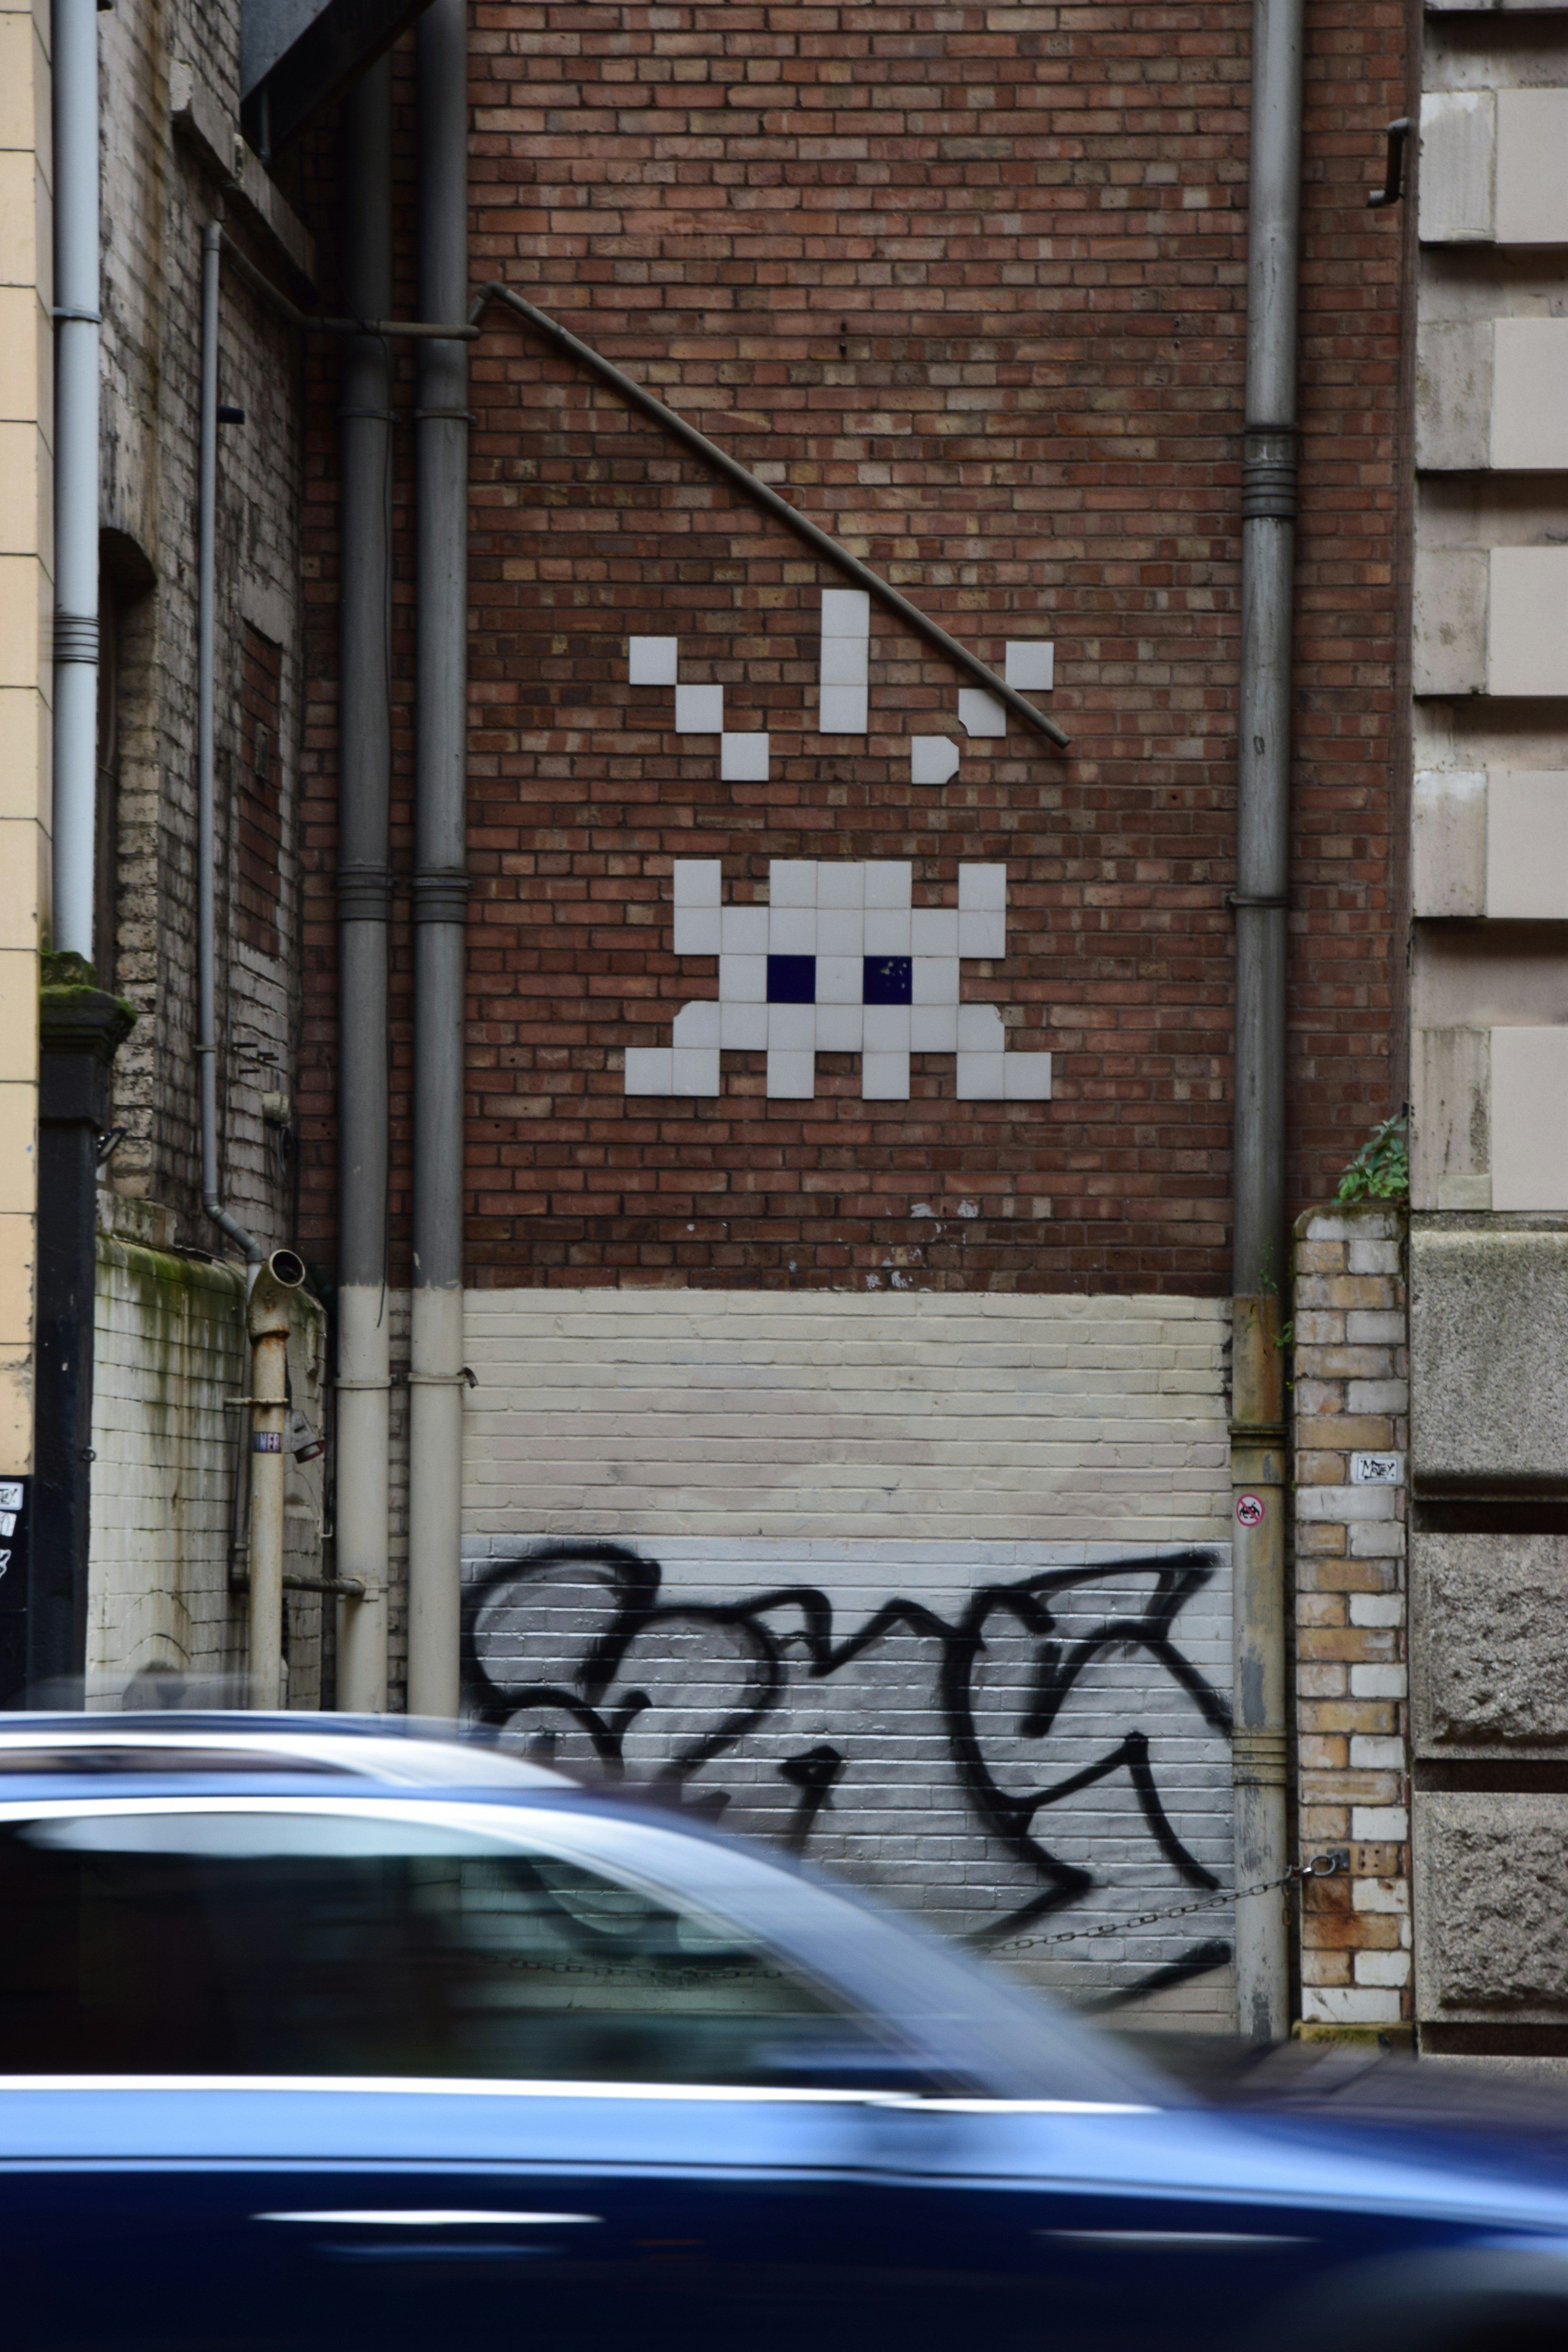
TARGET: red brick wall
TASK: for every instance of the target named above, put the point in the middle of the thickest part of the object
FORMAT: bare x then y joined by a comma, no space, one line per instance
971,283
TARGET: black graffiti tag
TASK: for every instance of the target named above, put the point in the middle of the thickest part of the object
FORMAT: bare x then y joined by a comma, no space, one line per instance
634,1613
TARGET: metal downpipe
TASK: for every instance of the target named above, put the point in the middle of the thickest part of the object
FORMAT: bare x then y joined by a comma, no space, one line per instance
78,334
1260,1486
364,901
440,879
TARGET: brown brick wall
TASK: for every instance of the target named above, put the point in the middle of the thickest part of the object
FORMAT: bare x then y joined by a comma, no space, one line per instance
969,283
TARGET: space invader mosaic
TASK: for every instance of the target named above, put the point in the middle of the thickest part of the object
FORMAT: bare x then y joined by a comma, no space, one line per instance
839,961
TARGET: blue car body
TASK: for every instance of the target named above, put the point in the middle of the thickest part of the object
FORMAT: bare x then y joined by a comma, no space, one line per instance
949,2158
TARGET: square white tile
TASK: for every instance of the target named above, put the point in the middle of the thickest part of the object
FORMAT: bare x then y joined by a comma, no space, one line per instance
649,1069
697,1024
840,931
933,931
839,977
651,661
792,1026
846,613
700,710
792,930
743,759
933,1028
980,1078
887,930
1027,1078
888,883
1031,664
839,1028
979,713
743,930
887,1029
846,661
981,935
699,881
791,882
697,930
980,1030
933,980
934,759
843,711
695,1071
884,1077
743,980
743,1028
982,890
841,883
791,1077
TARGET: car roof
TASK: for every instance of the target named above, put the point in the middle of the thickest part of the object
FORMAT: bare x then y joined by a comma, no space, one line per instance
394,1752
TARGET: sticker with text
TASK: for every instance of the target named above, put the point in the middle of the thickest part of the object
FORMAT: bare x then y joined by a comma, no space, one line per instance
1250,1510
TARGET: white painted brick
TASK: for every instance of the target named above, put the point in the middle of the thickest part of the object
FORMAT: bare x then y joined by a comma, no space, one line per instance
1377,1682
1377,1609
1383,1968
1349,2005
1386,1824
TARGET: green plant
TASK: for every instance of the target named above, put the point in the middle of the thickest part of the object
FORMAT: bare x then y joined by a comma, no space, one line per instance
1381,1168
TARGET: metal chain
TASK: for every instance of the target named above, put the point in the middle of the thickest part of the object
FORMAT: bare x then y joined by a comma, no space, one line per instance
1322,1865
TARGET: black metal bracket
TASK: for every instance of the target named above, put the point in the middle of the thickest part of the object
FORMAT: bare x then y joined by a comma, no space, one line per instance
1392,186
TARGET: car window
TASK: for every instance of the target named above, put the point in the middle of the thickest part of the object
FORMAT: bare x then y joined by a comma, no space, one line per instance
218,1941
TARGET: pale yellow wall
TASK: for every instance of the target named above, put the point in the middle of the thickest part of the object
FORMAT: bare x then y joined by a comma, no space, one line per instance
26,607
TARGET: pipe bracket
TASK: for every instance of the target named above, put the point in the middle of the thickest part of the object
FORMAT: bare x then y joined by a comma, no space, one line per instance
364,894
76,637
1269,473
441,894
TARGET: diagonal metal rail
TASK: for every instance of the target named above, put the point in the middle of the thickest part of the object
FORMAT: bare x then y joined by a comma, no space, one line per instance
718,461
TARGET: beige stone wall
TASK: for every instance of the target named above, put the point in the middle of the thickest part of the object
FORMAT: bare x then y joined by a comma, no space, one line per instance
766,1412
1352,1401
26,605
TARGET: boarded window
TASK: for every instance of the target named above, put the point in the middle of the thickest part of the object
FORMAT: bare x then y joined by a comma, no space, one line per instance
260,794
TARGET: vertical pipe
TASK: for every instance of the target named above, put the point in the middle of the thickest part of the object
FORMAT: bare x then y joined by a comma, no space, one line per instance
440,881
77,336
206,791
364,894
268,1316
1257,1434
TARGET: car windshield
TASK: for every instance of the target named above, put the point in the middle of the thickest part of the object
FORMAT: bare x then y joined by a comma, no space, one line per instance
269,1942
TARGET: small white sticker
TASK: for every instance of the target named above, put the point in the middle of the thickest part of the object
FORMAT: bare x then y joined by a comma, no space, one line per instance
10,1494
1377,1469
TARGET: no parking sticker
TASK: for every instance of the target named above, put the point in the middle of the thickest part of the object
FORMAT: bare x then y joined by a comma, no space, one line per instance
1250,1510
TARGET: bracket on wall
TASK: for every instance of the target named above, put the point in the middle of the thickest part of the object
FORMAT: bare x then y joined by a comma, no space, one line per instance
1392,186
718,461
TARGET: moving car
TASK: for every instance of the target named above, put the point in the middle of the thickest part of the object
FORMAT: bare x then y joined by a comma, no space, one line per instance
317,2035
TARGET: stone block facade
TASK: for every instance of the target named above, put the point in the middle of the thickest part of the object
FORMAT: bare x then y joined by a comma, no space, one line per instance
1352,1436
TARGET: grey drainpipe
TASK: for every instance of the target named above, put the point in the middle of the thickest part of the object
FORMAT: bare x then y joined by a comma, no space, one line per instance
78,331
206,827
364,896
1260,1484
440,879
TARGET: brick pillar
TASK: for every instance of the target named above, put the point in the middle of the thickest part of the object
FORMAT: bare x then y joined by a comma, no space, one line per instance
1351,1404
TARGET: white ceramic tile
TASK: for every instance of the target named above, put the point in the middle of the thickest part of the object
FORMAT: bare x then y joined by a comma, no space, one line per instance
742,979
840,931
839,977
980,1078
982,890
699,881
840,883
933,931
981,935
698,931
843,711
697,1024
792,1026
649,1069
887,930
695,1071
1027,1078
839,1028
743,930
887,1028
888,883
791,1077
934,979
846,613
846,661
933,1028
884,1078
980,1030
743,1028
791,882
652,660
743,759
700,710
933,759
980,713
1031,664
792,930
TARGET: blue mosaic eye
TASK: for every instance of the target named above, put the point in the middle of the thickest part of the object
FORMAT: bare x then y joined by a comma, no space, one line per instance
792,979
887,981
